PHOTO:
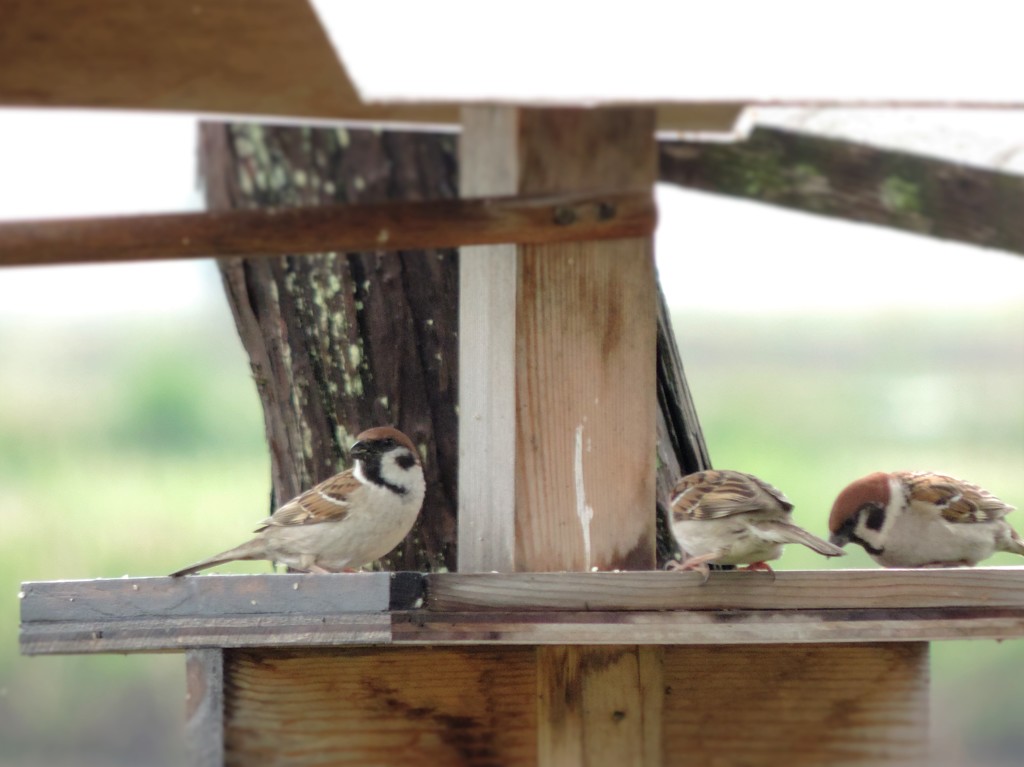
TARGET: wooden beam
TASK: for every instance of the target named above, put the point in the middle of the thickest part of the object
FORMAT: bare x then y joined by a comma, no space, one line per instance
382,706
763,706
555,442
857,182
788,590
164,614
713,627
552,218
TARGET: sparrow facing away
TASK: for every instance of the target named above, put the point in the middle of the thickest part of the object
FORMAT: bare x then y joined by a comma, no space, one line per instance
922,519
731,518
352,518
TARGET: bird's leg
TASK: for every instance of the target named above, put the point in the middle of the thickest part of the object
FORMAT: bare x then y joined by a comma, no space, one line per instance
700,564
760,566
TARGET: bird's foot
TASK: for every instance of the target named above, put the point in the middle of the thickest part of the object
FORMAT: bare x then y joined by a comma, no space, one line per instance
762,566
700,564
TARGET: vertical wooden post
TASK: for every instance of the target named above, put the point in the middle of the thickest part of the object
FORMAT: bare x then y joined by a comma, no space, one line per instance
204,707
557,405
557,343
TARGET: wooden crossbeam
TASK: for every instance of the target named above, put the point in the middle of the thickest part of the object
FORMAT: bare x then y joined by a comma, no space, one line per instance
161,614
366,226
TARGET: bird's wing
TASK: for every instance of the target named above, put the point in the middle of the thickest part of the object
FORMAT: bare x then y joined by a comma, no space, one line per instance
954,500
330,501
720,493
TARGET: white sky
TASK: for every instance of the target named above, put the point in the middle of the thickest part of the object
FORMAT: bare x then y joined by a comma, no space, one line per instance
713,253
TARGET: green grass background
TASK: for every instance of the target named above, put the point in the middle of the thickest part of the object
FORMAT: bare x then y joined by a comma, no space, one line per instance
137,447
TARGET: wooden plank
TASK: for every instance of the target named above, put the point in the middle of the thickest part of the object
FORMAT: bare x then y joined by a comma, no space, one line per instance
487,347
580,489
503,627
857,182
212,596
708,627
397,225
408,706
266,58
788,590
180,634
763,706
599,706
257,58
204,707
541,608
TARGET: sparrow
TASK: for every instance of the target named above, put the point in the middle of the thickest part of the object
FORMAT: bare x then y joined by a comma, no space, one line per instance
352,518
731,518
922,519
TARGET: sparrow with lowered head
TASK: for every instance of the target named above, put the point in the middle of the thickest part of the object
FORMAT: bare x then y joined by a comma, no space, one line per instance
922,519
346,521
731,518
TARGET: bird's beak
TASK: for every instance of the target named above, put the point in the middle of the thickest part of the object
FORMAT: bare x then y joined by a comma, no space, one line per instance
359,450
838,539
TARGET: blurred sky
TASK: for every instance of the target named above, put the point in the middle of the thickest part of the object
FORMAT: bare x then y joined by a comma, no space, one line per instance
64,163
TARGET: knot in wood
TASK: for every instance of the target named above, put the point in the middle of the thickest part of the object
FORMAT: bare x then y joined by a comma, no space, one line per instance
564,216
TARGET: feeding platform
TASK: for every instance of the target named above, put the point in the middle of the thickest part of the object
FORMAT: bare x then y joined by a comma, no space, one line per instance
525,656
555,668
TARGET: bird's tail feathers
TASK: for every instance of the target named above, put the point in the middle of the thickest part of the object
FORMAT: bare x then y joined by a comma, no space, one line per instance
253,549
785,532
1016,545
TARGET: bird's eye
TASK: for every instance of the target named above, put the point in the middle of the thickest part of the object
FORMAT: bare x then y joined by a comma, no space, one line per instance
875,515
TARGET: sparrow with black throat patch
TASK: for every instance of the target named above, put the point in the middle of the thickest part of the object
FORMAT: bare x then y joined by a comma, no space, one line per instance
922,519
346,521
727,517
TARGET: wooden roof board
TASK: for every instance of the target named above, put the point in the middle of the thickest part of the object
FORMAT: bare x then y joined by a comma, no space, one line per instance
271,60
261,58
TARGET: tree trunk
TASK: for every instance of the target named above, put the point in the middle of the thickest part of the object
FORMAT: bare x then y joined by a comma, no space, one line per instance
341,342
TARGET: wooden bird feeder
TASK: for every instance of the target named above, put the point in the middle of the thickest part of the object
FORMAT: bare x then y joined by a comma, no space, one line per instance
525,656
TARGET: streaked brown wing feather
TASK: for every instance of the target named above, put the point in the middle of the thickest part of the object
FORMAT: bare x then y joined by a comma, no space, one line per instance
720,493
956,501
327,502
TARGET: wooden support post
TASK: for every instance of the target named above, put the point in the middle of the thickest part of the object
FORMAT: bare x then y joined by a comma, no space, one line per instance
557,410
204,707
557,342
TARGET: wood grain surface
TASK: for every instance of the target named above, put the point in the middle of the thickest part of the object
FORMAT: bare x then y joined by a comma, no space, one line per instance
576,329
536,608
762,706
381,707
787,590
385,226
599,706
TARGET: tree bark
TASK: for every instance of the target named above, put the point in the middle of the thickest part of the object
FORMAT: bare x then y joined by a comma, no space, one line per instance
856,182
339,342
